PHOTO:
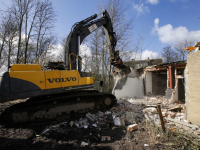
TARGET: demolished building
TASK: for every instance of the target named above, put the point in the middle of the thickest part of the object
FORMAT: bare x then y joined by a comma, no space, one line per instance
125,88
164,79
176,81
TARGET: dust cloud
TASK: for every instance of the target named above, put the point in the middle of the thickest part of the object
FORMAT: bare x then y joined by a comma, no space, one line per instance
116,79
128,86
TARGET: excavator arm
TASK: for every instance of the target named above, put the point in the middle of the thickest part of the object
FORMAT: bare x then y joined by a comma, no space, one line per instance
85,27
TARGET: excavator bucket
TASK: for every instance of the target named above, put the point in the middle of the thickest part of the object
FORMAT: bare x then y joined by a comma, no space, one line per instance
121,71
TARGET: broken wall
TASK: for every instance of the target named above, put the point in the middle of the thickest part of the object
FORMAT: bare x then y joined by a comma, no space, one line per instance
192,79
186,89
148,82
133,87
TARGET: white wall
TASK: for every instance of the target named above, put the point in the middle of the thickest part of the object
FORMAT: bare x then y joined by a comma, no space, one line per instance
132,88
148,82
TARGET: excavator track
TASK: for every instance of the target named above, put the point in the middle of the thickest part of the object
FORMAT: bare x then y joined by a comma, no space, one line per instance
40,110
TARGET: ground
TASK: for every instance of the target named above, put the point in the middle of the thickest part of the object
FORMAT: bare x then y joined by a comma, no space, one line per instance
67,137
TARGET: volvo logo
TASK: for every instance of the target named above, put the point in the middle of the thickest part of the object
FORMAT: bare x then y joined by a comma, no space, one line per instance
57,80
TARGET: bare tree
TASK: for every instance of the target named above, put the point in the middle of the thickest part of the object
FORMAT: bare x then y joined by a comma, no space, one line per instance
96,48
3,36
35,22
180,45
122,27
10,33
45,20
19,9
30,17
139,45
169,54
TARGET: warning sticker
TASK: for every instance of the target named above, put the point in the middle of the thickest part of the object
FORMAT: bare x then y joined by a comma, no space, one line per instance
92,27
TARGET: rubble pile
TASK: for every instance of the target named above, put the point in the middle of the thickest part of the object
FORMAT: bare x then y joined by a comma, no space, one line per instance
173,114
101,126
173,119
150,100
124,118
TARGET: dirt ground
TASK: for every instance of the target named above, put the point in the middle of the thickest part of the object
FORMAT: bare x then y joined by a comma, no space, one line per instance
31,137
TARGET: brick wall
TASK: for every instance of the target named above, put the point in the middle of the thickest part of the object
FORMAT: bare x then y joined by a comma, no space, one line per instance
193,87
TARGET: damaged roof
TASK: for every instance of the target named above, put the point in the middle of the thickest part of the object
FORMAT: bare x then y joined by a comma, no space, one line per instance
164,66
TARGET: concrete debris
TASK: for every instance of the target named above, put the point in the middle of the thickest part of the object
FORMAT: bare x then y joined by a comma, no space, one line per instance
82,122
60,142
100,114
131,100
168,125
197,132
108,118
131,117
86,127
164,114
152,110
45,131
178,122
177,108
132,127
105,138
90,117
71,123
187,121
108,113
117,121
171,114
94,125
83,144
55,128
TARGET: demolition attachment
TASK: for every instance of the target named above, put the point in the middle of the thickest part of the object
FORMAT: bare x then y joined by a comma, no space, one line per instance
119,69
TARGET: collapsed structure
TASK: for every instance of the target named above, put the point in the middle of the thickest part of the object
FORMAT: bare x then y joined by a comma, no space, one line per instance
164,79
176,82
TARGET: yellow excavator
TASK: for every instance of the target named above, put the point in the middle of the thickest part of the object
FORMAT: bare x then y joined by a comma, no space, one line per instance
59,89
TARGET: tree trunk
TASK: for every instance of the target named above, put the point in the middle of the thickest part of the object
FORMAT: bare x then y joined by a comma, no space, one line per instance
9,51
2,46
19,42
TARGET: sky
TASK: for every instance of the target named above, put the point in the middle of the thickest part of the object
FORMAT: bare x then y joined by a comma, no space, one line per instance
164,21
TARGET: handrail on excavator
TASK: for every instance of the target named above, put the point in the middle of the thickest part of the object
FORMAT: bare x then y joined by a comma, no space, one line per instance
81,62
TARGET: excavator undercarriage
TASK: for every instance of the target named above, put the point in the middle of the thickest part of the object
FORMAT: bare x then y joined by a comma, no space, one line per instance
41,109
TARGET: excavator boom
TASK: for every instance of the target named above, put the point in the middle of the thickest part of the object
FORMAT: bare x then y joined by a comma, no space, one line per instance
85,27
